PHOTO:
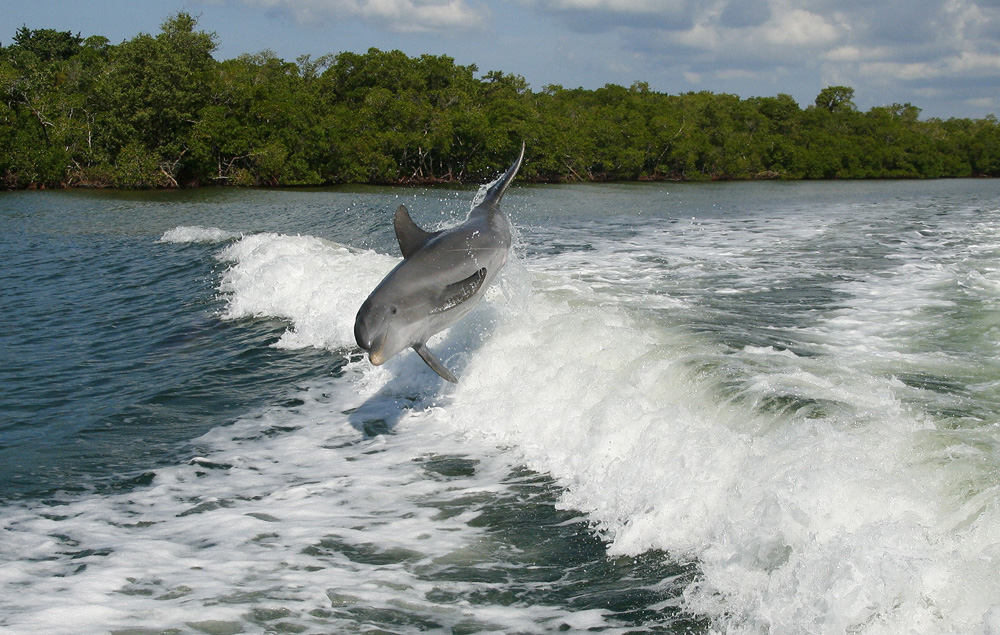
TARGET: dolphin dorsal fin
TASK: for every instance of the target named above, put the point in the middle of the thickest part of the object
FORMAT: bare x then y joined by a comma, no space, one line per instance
411,238
458,292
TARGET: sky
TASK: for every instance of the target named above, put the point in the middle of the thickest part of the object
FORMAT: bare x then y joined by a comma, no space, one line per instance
942,56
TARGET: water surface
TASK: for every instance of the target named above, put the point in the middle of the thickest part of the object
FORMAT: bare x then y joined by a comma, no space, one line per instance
738,407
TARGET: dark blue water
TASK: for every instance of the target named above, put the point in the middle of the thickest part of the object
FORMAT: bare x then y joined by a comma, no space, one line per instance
114,352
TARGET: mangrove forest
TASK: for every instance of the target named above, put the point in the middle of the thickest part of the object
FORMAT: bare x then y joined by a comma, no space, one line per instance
160,111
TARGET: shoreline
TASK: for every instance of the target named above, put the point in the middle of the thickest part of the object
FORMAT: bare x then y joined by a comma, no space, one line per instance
435,182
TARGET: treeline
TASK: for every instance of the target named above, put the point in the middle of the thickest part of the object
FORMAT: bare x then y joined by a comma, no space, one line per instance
160,111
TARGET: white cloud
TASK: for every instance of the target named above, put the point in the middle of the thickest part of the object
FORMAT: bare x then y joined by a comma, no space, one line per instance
623,6
984,103
737,74
796,27
856,54
703,36
395,15
898,71
592,16
974,62
967,64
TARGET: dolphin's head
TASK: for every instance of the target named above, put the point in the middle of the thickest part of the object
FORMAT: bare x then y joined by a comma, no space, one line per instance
377,330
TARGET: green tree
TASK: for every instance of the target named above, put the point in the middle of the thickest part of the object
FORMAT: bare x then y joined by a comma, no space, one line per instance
47,45
836,99
152,93
42,85
159,111
984,147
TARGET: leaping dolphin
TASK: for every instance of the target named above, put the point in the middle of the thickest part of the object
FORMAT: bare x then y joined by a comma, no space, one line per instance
442,277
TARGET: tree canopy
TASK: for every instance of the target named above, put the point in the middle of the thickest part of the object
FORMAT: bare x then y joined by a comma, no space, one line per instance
161,111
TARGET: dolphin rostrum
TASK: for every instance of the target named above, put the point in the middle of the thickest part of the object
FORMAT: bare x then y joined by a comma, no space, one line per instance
442,277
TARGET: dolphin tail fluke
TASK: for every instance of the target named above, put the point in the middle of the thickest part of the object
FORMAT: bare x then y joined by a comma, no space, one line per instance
495,193
435,364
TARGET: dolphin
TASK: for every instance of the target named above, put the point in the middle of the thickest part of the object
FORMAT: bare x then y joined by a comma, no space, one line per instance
441,278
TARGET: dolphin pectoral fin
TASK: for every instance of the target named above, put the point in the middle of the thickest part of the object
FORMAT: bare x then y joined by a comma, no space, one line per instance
411,238
458,292
435,364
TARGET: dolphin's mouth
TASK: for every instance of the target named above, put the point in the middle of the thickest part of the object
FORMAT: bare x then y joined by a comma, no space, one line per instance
376,349
369,342
375,357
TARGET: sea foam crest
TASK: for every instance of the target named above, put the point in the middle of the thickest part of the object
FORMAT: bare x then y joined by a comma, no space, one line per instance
315,284
197,234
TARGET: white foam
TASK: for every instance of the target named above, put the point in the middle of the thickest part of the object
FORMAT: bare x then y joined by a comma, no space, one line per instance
197,234
290,512
828,516
824,517
315,284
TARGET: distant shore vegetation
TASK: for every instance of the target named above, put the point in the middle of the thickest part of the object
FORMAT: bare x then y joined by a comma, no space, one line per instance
159,111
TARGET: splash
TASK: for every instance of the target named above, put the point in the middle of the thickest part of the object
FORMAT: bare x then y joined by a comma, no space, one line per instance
197,234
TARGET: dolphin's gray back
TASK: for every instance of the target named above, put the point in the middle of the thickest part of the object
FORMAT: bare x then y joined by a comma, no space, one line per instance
495,193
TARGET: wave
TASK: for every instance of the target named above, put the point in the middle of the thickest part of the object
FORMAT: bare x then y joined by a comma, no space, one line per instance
315,284
197,234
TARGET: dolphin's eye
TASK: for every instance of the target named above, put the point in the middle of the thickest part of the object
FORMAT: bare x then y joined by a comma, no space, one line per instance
393,310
